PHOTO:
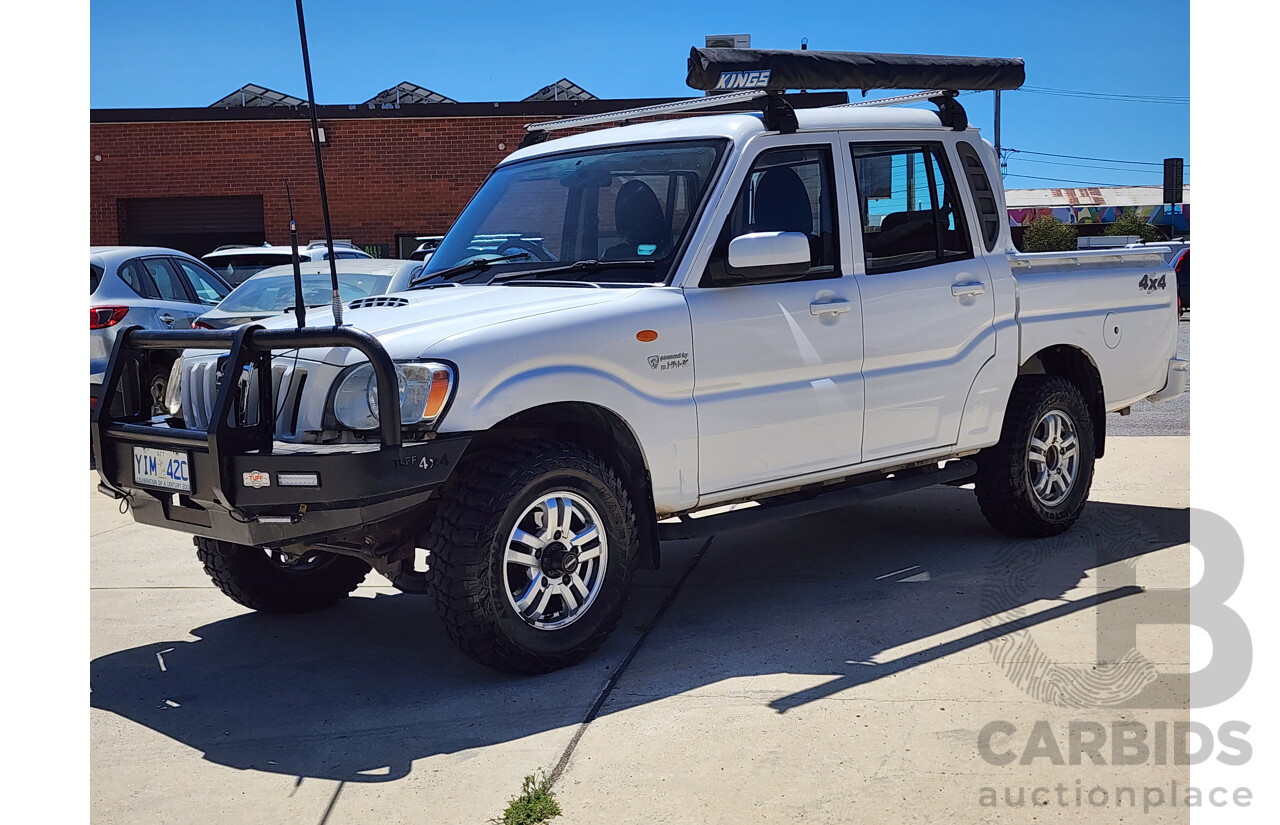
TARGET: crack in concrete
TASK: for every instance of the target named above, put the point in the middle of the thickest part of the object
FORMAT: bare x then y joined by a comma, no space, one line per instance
617,674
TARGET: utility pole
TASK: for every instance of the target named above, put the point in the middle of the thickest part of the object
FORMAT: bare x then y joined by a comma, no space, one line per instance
999,157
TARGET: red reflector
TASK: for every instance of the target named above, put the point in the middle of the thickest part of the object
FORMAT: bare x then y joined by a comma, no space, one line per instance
103,317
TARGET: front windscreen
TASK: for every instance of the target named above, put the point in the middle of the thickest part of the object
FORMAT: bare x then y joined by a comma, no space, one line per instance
627,208
274,293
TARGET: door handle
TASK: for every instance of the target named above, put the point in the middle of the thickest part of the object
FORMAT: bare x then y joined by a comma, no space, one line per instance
166,319
830,307
967,289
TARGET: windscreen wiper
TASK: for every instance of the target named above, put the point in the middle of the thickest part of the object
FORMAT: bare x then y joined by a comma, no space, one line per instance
473,265
592,265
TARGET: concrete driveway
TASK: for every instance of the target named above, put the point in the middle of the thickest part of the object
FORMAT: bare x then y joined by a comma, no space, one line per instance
838,668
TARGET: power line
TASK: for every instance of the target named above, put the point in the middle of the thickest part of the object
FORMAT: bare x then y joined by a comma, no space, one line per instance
1119,98
1083,157
1172,98
1088,166
1067,180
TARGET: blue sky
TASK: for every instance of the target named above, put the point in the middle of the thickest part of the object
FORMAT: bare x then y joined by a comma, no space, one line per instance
159,54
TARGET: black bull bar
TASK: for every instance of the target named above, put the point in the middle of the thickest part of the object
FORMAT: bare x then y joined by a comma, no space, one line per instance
234,467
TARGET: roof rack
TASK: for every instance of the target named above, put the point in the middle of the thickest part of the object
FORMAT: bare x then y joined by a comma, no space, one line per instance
767,73
537,132
898,100
950,112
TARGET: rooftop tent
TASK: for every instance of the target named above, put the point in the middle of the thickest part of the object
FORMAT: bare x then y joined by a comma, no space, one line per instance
780,70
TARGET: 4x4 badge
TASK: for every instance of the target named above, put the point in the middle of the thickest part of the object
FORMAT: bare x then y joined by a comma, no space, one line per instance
1150,284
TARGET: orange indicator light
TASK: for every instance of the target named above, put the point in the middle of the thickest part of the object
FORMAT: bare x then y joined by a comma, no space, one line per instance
437,395
646,335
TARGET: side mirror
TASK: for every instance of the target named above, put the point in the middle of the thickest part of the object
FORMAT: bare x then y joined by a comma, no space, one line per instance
767,257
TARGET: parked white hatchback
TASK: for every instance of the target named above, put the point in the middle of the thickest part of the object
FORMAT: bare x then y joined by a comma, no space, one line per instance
236,263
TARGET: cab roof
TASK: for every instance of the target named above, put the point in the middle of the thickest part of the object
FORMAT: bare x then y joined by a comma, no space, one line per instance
741,126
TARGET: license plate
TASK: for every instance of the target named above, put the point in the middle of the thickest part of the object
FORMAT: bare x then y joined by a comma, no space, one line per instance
168,469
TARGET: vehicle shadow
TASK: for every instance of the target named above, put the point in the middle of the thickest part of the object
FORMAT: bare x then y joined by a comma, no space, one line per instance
864,594
358,692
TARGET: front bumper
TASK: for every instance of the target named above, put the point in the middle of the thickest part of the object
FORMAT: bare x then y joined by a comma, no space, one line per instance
234,469
238,498
1175,381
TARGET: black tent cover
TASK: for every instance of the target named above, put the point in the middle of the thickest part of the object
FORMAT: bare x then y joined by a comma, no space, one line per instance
733,69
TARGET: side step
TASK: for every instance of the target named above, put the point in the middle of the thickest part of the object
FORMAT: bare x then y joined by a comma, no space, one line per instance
953,472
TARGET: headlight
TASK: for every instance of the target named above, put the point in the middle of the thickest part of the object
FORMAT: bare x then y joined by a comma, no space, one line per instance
425,389
173,390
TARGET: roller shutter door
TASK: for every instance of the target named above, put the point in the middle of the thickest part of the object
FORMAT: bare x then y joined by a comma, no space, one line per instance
194,225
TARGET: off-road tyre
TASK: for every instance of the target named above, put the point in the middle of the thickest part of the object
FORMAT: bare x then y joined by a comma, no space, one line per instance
479,508
1005,479
250,576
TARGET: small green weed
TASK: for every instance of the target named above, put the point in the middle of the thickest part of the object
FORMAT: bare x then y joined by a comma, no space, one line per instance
534,806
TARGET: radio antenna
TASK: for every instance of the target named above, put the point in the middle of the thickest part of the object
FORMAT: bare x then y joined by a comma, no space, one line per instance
324,197
299,305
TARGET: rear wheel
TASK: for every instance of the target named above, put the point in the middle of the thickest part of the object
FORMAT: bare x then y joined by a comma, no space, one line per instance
1035,481
273,582
532,553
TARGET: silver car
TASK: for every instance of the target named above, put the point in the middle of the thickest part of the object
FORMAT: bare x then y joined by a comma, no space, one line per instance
148,286
270,292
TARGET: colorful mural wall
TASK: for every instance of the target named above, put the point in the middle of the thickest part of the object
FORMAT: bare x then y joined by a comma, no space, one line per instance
1155,215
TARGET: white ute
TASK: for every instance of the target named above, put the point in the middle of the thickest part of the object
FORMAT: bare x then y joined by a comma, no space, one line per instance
802,308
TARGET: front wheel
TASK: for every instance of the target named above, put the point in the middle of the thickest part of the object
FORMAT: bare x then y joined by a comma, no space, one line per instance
532,553
1035,481
275,583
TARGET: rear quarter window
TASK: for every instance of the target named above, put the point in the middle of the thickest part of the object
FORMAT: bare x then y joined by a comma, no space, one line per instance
95,277
132,273
984,197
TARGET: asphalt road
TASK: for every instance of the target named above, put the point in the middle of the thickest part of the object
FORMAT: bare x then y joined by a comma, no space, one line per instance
1171,417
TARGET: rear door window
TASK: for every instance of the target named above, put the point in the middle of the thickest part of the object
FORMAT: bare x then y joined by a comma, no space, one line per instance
95,277
168,283
207,289
909,207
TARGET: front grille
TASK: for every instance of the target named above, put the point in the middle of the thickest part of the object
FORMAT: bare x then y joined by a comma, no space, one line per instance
379,301
200,392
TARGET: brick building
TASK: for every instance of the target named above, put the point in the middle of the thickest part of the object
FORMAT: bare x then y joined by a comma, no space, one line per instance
197,178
